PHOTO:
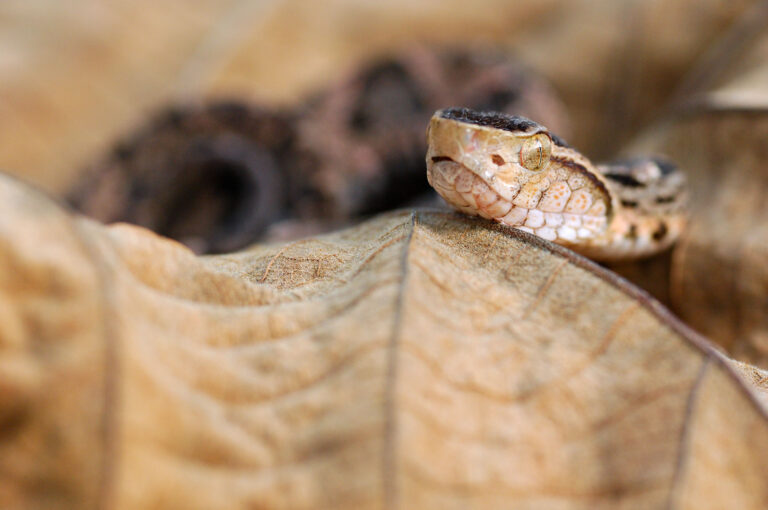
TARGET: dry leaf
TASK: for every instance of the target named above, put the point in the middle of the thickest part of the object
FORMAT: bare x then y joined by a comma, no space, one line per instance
719,276
77,75
419,360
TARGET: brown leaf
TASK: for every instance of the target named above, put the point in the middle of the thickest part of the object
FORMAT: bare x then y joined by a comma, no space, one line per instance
78,75
719,277
719,274
419,360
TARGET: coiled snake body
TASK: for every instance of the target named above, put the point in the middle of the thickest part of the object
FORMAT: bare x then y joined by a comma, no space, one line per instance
513,171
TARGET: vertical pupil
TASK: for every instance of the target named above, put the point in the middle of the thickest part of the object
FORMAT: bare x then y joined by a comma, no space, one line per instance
536,153
532,156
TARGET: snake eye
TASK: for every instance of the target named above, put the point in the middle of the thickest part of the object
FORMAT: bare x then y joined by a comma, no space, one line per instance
535,152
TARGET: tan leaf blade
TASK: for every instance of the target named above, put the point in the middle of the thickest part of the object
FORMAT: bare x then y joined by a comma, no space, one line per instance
719,276
419,360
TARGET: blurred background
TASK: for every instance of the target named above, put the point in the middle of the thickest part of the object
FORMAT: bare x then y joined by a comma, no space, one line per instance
92,69
79,75
223,123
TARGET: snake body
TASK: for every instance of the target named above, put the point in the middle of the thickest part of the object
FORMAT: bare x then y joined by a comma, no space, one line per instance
514,171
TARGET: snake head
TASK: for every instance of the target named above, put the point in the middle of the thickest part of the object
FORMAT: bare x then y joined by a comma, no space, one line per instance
513,170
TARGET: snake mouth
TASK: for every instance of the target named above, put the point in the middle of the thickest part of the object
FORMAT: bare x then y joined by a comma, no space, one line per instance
448,166
471,194
466,191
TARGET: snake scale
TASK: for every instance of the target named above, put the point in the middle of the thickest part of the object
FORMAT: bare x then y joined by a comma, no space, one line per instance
514,171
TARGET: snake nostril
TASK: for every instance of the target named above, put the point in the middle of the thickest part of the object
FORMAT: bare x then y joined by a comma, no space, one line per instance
497,159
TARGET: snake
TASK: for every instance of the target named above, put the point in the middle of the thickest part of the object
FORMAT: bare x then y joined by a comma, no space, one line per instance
512,170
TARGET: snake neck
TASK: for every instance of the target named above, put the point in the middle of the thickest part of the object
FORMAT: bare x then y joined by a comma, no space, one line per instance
652,201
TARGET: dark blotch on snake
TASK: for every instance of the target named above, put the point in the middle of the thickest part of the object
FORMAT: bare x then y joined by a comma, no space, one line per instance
665,200
624,180
559,141
583,171
388,96
498,120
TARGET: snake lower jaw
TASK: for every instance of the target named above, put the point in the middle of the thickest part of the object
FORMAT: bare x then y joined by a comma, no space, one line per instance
470,194
462,176
464,190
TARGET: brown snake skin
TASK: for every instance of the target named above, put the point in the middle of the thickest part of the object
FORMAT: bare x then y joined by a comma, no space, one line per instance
512,170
